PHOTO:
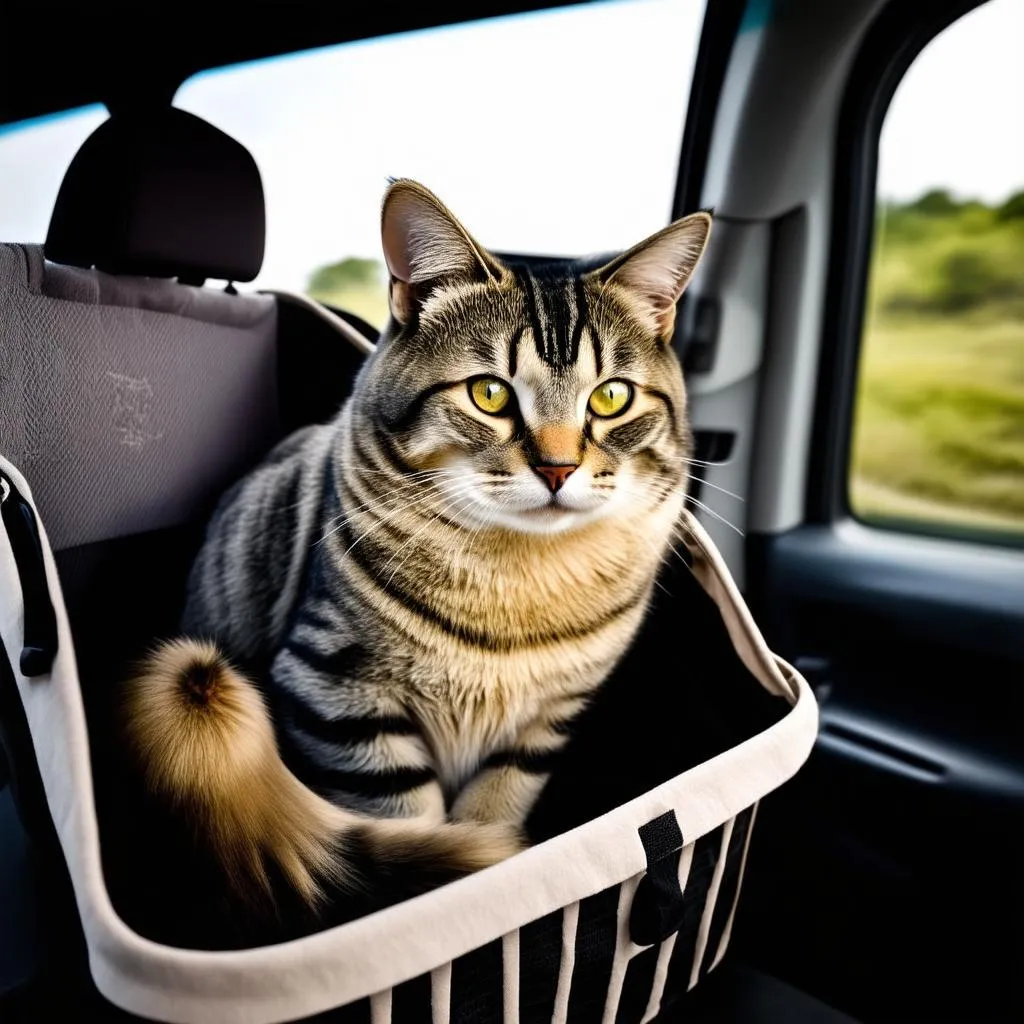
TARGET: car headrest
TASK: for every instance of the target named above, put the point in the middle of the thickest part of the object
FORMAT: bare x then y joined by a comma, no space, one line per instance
160,193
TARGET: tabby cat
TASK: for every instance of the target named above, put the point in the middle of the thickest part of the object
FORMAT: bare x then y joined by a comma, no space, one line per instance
430,587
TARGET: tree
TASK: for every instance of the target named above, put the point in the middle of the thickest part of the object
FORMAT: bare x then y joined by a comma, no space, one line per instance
1013,208
351,272
935,203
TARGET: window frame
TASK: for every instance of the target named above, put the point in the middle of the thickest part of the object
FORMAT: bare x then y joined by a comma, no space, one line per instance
718,31
899,33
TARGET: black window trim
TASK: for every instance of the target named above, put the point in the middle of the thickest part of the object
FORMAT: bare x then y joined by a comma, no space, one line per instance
902,29
718,31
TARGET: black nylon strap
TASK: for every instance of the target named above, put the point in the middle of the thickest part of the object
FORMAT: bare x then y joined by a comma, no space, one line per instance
657,909
660,837
40,621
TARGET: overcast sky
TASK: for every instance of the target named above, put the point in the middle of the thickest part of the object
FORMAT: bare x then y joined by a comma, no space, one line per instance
550,132
957,119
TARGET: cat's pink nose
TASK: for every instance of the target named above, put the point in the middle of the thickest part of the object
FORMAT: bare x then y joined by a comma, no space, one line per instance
555,476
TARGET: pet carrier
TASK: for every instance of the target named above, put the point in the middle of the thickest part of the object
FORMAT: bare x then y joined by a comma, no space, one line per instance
611,920
127,405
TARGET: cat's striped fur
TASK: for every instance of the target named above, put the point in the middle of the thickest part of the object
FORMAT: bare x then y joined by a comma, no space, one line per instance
427,606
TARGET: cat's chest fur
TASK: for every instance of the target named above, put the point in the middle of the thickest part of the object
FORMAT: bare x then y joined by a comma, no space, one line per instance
510,630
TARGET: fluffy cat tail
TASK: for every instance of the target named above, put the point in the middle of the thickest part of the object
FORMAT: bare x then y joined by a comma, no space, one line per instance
203,740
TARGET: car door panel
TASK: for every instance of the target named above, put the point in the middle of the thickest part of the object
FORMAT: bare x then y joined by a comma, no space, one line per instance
888,876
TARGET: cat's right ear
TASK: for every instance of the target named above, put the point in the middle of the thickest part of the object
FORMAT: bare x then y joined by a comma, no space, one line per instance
425,246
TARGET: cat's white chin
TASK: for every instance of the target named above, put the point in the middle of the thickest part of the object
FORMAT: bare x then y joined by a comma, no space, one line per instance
553,519
546,519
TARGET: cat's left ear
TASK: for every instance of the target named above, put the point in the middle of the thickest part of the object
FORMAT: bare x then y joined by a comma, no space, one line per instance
656,272
425,246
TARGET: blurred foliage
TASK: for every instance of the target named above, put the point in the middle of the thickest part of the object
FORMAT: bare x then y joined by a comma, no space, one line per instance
939,423
358,285
937,255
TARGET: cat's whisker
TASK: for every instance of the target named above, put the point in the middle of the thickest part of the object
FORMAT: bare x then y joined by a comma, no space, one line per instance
688,497
403,481
486,521
458,542
409,484
383,520
716,487
444,495
402,476
679,537
399,492
675,551
701,462
371,508
711,512
467,492
708,483
380,501
345,518
406,559
662,560
633,492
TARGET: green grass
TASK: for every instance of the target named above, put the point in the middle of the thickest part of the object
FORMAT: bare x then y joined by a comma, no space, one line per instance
940,417
939,420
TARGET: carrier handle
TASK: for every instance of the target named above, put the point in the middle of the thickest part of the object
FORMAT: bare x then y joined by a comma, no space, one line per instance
353,336
658,905
40,620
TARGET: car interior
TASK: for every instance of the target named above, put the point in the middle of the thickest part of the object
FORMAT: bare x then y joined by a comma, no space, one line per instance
886,880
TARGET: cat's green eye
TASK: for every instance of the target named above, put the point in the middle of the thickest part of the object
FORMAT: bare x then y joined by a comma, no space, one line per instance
610,398
489,394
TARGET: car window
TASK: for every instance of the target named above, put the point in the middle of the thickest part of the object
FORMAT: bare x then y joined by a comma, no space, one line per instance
938,438
554,132
33,158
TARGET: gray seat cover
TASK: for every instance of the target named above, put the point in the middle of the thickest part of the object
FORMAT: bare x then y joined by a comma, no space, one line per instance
129,403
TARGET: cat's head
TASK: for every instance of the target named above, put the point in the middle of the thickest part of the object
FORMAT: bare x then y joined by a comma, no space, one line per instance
541,400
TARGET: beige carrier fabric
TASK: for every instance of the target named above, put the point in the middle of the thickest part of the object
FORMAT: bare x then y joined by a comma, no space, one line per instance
422,935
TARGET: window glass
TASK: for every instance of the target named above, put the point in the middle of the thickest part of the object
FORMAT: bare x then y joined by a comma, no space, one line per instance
554,132
938,439
33,158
